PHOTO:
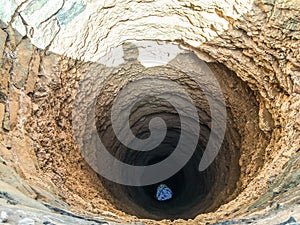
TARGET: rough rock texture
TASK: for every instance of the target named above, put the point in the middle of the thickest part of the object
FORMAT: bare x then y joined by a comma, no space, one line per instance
258,42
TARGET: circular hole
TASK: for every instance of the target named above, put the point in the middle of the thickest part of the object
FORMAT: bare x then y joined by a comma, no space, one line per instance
194,191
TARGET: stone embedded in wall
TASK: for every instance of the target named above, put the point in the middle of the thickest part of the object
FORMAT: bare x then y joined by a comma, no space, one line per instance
23,150
297,85
33,72
49,70
38,11
14,38
50,30
14,107
293,69
48,75
6,122
266,123
40,16
22,29
22,63
7,9
2,97
2,113
2,106
4,80
3,37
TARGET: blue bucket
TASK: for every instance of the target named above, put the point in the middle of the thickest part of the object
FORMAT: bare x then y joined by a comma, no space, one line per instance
163,193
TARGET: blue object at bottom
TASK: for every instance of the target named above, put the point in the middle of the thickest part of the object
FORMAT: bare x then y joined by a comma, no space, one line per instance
163,193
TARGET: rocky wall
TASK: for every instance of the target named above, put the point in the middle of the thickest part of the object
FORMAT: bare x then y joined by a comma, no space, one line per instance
252,46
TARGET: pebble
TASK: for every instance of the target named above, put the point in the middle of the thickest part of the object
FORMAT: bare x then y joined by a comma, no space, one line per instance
289,221
48,223
26,221
4,217
271,180
276,192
